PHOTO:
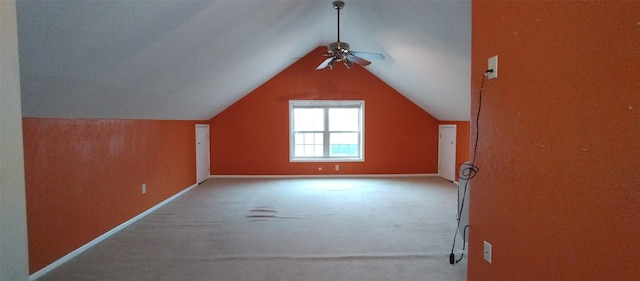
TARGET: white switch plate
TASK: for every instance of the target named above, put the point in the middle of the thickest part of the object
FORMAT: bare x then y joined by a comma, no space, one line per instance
144,188
487,252
337,167
492,64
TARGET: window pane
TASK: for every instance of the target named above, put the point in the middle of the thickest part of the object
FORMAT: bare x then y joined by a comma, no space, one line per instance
344,150
343,138
343,119
308,151
344,144
308,145
308,138
308,119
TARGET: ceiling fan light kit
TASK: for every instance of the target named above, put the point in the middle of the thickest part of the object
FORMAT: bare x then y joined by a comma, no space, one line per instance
340,52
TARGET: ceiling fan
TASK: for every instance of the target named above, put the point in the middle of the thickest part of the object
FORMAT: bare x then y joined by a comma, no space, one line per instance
339,51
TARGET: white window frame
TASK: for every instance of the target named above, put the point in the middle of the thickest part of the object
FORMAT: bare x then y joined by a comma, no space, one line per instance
326,104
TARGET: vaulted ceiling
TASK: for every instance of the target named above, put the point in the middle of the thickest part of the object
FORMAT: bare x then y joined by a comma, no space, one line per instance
184,59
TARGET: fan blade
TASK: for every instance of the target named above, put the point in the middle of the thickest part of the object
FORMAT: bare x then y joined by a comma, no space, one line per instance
358,60
374,56
325,63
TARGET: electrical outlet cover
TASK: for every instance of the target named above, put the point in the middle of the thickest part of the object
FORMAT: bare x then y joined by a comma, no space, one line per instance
492,64
487,252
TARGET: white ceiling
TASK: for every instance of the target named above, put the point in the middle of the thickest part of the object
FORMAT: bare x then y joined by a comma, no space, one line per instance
183,59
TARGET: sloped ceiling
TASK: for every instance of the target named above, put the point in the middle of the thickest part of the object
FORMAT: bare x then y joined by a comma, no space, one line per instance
190,60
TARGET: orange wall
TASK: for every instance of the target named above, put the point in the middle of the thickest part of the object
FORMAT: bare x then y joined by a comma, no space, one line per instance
84,177
252,136
558,192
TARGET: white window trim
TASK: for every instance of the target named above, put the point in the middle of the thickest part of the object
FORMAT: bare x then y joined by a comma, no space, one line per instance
326,103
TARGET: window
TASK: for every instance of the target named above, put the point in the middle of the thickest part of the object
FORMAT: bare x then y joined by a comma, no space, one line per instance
326,130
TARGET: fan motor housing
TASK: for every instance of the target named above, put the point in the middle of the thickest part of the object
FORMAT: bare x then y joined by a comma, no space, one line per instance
338,46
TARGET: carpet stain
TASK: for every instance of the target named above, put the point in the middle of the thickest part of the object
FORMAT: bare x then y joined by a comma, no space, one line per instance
264,213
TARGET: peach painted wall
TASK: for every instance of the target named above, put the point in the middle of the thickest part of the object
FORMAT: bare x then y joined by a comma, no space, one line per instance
558,192
252,136
84,177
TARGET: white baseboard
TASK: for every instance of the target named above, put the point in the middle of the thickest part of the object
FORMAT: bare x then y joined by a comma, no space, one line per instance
104,236
325,176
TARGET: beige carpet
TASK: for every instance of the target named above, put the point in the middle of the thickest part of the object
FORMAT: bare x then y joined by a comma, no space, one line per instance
286,230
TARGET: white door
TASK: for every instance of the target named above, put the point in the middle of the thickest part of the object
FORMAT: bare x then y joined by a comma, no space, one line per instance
447,152
202,152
